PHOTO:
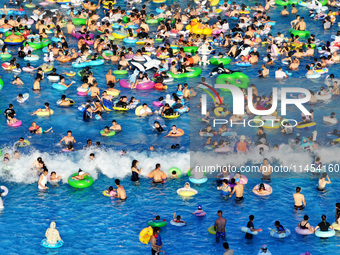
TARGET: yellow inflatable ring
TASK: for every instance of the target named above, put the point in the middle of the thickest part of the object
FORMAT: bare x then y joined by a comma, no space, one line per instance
145,235
221,111
212,231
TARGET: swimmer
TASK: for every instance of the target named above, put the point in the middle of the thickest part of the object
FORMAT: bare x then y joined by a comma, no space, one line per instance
266,169
135,172
62,82
238,189
81,175
17,81
43,179
158,127
54,177
68,139
111,191
225,188
219,227
64,101
47,109
324,225
22,143
261,189
174,131
174,175
305,225
322,182
52,235
158,175
299,200
121,194
145,110
177,219
156,242
279,228
250,225
107,131
264,250
227,250
9,111
199,210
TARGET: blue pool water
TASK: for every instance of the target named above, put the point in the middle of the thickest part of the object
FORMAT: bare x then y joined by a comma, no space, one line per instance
90,223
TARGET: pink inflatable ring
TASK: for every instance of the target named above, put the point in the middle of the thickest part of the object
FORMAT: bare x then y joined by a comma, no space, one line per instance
141,86
268,191
16,124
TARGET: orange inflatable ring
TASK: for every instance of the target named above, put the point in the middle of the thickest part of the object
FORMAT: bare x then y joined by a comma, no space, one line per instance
68,59
160,86
180,133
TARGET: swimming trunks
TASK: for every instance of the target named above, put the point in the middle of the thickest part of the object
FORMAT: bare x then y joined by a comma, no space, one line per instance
220,235
239,198
154,252
161,182
300,207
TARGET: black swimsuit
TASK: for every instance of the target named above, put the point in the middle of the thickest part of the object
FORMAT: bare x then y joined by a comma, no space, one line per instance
303,227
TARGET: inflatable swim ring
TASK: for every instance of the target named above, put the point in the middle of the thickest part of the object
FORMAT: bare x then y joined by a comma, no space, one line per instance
157,223
45,244
269,190
198,181
212,231
44,113
86,182
145,235
325,234
282,235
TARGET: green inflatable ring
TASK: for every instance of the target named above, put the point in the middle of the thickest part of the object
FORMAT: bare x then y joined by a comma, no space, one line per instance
324,2
7,33
45,42
126,19
35,45
280,2
191,49
5,56
121,72
110,37
177,170
237,79
1,86
87,182
299,33
151,21
79,21
293,2
197,71
159,40
217,61
112,133
157,223
313,45
29,5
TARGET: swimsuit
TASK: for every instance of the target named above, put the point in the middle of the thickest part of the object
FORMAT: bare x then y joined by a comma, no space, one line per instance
299,207
239,198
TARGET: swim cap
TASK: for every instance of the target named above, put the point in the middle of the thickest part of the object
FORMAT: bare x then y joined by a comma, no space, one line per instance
199,207
237,180
264,247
